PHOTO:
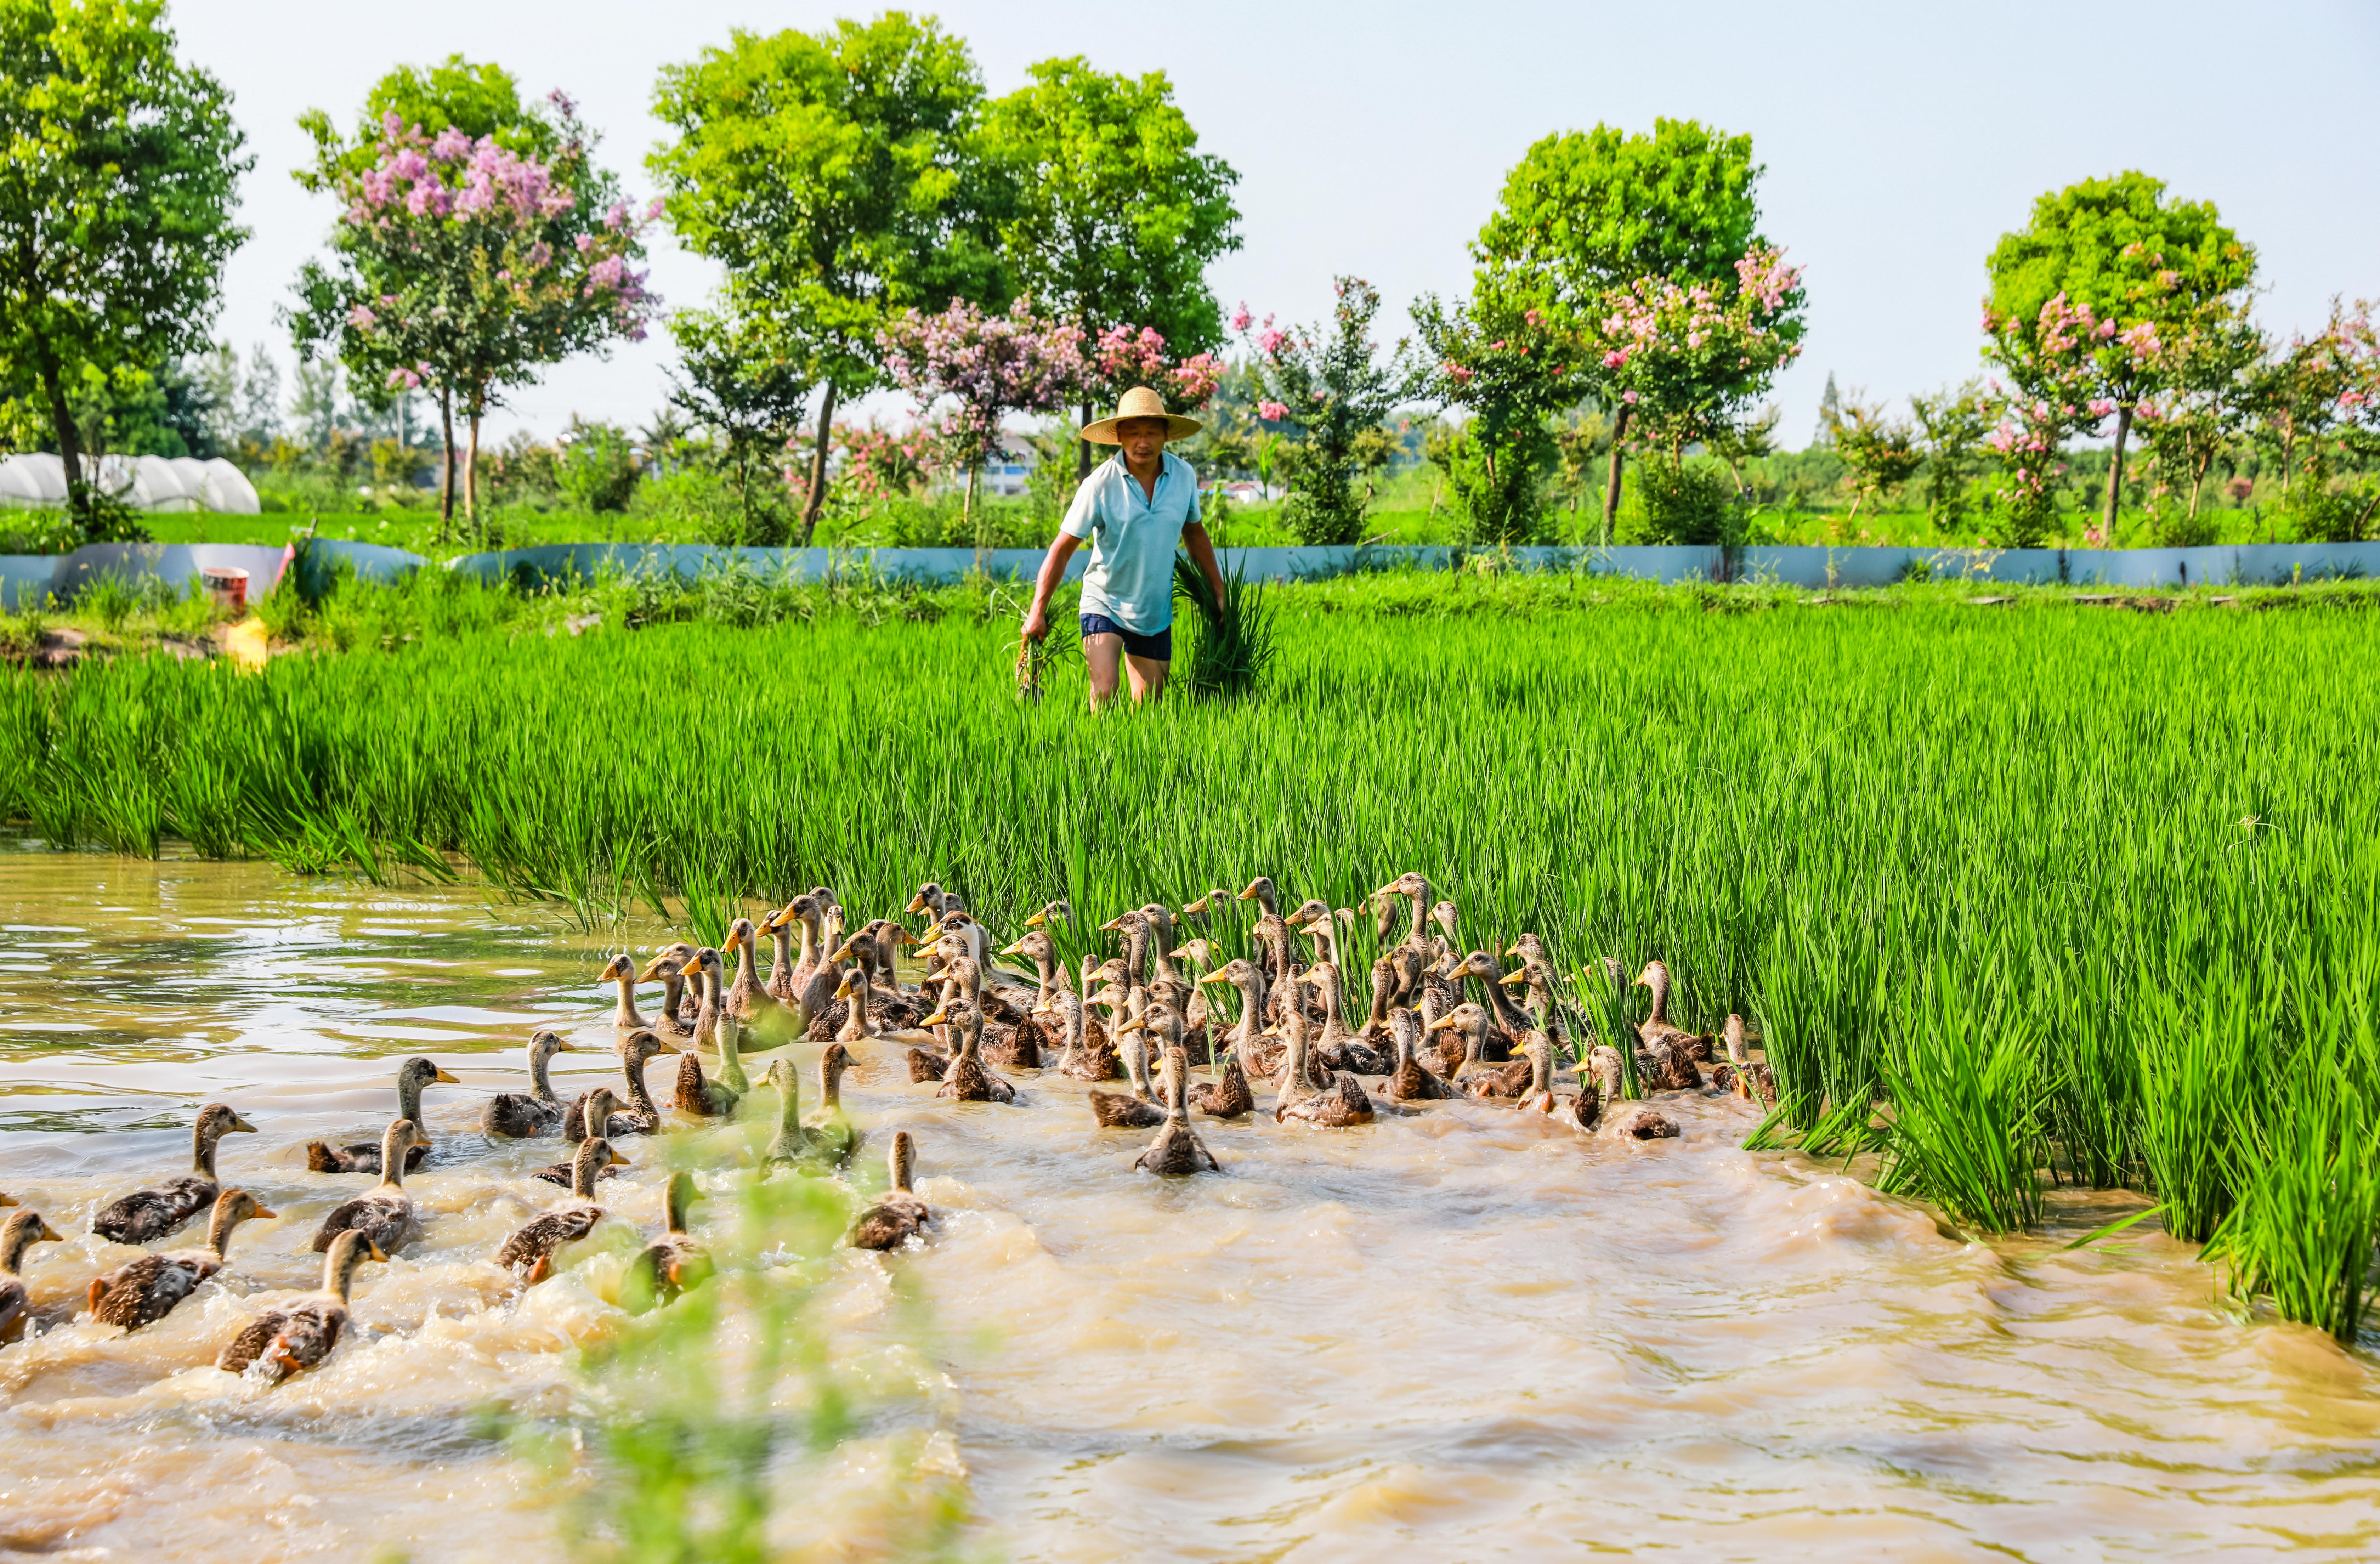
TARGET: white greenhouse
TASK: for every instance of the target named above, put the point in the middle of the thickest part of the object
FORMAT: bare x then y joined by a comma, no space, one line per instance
147,483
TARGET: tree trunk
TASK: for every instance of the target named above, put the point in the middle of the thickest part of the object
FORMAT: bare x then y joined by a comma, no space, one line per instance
1083,454
2116,472
70,444
815,505
1612,475
445,465
966,501
471,477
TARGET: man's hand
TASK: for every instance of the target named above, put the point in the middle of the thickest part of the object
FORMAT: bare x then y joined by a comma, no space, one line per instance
1036,624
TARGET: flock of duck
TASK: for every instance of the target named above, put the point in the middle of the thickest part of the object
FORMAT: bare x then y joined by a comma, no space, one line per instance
1420,1039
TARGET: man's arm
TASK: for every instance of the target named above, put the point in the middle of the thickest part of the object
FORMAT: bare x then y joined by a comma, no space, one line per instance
1202,554
1054,570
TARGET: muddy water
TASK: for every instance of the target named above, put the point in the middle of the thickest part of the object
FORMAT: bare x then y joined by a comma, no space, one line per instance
1455,1334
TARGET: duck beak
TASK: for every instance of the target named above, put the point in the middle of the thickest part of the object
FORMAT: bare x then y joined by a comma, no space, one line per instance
1195,909
8,1199
941,1017
1247,895
1388,889
902,936
1016,949
1512,950
933,932
375,1250
51,1234
561,1046
266,1215
652,972
239,1123
1037,920
1138,1024
916,903
618,1161
1442,1023
1044,1010
1214,977
841,952
1517,976
842,989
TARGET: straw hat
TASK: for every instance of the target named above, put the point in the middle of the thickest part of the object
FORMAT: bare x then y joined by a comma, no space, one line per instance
1140,403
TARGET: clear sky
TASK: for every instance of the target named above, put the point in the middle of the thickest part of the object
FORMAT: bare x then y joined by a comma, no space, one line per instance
1899,140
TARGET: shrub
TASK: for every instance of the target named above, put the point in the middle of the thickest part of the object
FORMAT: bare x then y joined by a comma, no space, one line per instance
596,468
1685,501
2320,513
1498,486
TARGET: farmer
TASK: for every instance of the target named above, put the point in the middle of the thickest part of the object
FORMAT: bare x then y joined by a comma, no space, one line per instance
1134,507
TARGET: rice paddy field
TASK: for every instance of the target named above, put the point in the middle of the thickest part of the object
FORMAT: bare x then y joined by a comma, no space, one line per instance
2059,928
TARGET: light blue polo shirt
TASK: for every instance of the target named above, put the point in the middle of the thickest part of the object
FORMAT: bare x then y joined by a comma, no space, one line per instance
1133,535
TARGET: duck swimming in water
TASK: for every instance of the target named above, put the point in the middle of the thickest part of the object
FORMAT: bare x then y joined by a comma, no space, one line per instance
643,1115
899,1215
147,1215
413,1077
144,1291
293,1340
517,1115
1177,1150
673,1262
20,1231
529,1251
384,1214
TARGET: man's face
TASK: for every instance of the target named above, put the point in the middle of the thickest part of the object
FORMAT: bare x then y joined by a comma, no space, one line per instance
1142,439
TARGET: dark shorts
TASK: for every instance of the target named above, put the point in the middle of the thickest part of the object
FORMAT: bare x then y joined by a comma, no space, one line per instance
1157,648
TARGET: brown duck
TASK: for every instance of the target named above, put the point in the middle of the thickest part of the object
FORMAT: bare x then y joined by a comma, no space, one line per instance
147,1215
413,1077
293,1340
528,1252
1177,1150
144,1291
899,1215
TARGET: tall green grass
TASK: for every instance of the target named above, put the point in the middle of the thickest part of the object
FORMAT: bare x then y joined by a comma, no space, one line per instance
2012,896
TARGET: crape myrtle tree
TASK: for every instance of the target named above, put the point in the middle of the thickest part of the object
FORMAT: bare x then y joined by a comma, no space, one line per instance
118,172
1331,384
2134,274
1587,214
987,366
461,265
1511,369
1110,215
836,176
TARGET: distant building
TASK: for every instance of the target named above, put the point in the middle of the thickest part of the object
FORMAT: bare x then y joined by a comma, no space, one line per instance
1008,471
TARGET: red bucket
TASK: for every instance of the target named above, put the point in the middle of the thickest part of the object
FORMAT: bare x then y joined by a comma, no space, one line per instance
227,585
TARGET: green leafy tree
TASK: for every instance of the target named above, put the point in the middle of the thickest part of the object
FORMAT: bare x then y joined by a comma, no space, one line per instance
835,176
2211,373
118,166
2135,270
1880,451
1952,426
1112,213
1585,214
749,389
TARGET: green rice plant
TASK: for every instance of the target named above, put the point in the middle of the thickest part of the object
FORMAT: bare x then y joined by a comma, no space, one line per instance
1964,1078
2307,1177
1231,641
2196,1066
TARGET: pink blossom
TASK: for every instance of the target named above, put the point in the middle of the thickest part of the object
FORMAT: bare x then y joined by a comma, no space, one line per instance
1495,348
362,319
391,123
653,210
2106,329
1269,341
1240,318
2101,407
451,144
406,378
2090,535
616,217
1629,397
1272,412
585,242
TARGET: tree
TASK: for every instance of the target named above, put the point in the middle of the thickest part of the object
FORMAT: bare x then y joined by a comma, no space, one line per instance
834,173
1333,384
1880,451
2139,269
118,166
1586,214
1739,441
1683,358
2211,375
1953,425
1113,214
1830,406
749,389
1511,369
461,265
2315,402
990,365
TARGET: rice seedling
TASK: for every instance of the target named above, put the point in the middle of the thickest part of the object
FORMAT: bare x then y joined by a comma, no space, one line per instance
2008,898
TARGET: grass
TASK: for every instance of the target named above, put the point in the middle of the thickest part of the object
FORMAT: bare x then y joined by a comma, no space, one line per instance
2011,897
